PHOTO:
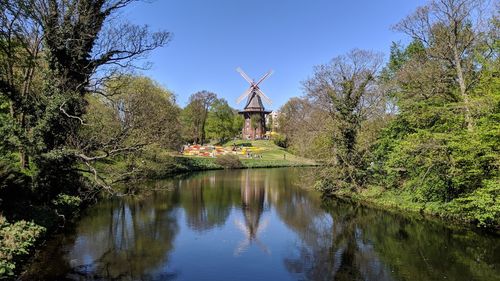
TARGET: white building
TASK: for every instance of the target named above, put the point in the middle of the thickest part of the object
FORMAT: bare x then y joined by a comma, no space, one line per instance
274,116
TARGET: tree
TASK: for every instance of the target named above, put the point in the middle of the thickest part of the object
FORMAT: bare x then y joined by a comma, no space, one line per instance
195,115
81,47
149,112
220,121
140,112
451,32
256,122
428,150
20,75
346,88
238,123
306,128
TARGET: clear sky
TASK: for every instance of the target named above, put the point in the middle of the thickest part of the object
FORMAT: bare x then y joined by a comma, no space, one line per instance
213,37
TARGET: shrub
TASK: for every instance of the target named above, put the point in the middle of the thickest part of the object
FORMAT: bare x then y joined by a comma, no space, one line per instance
280,140
481,206
436,166
67,205
15,241
229,161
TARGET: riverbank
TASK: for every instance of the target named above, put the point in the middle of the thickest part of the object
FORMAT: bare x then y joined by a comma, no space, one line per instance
186,164
480,209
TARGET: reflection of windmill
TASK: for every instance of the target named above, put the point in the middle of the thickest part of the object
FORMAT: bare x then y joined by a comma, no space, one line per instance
254,112
252,197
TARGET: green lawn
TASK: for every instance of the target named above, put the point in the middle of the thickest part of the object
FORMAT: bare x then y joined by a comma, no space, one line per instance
272,156
270,152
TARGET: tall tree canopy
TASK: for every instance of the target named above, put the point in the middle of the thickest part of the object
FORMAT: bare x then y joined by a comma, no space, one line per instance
195,115
346,88
451,31
54,54
221,121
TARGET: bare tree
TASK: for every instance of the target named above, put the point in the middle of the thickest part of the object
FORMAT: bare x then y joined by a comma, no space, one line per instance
346,88
306,127
451,31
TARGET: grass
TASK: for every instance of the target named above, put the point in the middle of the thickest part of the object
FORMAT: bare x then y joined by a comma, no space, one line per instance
270,155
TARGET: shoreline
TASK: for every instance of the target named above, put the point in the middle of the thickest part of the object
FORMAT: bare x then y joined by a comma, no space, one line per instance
432,211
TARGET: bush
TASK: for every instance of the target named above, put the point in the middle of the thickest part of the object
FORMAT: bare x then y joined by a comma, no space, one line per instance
481,206
229,161
15,241
67,205
436,166
280,140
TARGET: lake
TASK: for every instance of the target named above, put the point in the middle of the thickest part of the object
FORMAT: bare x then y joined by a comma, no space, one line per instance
259,224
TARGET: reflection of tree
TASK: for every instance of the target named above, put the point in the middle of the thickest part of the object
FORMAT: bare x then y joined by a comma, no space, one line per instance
207,200
125,239
330,244
131,238
336,250
426,250
350,242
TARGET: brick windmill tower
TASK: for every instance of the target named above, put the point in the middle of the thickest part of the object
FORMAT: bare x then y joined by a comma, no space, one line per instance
254,111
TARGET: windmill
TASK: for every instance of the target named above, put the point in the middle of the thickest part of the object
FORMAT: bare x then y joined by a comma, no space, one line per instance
254,111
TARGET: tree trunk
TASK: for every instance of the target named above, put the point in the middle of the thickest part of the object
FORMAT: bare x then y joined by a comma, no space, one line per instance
463,90
23,158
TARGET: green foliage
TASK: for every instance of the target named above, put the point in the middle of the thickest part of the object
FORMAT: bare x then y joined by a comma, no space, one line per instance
67,205
426,148
256,121
481,207
188,164
280,140
229,161
194,116
145,111
151,162
221,122
307,128
437,160
15,242
52,124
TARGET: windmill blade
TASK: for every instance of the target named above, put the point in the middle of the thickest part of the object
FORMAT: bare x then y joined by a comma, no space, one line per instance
244,95
241,226
263,247
245,76
242,246
262,226
264,77
264,97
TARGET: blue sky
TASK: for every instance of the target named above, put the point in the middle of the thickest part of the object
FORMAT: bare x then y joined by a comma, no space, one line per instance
213,37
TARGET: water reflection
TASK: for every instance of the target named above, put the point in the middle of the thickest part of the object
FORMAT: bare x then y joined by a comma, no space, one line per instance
253,195
260,224
124,240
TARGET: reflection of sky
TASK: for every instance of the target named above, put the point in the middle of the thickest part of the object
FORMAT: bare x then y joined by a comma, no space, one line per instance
271,229
210,255
195,231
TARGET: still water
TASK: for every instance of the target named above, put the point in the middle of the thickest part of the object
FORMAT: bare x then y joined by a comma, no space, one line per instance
261,224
